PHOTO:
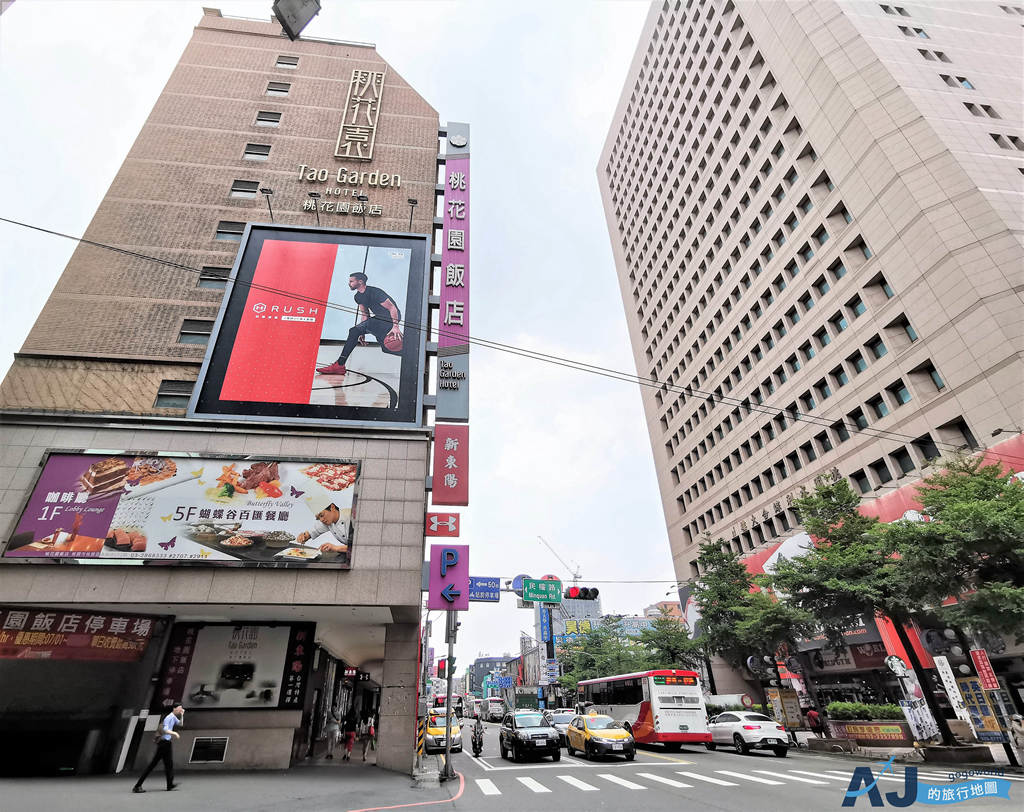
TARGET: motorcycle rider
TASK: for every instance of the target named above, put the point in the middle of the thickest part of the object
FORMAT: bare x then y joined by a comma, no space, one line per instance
478,737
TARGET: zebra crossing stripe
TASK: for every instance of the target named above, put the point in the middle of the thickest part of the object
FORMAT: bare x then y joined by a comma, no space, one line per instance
622,782
707,778
487,786
822,775
792,777
847,776
670,781
749,777
575,782
536,786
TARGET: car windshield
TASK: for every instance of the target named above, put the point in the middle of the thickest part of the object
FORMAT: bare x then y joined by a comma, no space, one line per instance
437,720
562,718
756,717
601,723
530,720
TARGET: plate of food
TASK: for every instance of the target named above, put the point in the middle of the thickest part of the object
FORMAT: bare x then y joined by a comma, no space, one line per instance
238,542
212,531
299,554
278,538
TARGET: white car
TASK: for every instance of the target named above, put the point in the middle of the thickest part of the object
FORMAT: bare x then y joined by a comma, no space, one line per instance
748,731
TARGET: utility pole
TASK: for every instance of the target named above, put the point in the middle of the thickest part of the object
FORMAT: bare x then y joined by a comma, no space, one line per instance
451,629
423,710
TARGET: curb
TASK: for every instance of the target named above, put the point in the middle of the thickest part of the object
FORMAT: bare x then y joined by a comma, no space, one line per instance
914,762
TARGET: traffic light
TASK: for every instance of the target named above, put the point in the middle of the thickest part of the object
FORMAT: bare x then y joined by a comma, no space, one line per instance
442,669
581,593
451,664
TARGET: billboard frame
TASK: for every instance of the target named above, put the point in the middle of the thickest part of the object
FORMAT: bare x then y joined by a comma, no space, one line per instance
419,324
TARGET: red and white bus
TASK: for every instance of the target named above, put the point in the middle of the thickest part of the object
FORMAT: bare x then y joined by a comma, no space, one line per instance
665,706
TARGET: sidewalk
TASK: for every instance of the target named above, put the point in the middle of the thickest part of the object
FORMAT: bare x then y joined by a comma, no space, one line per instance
912,757
319,787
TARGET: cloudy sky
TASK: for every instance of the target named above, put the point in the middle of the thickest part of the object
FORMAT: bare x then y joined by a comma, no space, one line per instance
555,453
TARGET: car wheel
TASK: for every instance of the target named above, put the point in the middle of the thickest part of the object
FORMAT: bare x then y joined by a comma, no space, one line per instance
569,748
631,755
516,753
504,750
556,756
740,745
588,752
710,745
782,752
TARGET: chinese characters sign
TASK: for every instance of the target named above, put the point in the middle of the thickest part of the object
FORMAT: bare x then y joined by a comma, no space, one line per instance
451,465
232,666
359,119
454,330
544,591
168,507
58,635
986,673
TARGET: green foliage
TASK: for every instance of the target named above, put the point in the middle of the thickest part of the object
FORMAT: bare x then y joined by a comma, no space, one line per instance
843,711
669,645
603,652
973,546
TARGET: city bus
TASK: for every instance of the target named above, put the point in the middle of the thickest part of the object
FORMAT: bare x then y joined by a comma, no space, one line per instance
664,706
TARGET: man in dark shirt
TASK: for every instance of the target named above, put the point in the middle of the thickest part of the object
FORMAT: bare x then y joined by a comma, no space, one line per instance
378,315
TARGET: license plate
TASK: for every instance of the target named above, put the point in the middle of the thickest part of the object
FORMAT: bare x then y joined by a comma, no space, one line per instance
774,741
540,743
616,747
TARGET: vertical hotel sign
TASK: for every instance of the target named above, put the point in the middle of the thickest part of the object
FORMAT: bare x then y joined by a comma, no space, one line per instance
451,465
358,131
453,338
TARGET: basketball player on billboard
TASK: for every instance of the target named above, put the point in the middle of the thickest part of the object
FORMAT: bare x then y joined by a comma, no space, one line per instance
378,315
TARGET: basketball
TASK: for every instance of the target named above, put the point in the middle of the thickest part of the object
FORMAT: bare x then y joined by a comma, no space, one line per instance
393,343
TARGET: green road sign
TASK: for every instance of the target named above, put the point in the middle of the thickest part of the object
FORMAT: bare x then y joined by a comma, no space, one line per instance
544,591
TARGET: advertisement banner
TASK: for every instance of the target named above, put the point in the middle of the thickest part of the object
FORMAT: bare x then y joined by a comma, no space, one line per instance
182,509
454,329
449,577
451,465
52,634
986,674
235,666
987,718
319,328
443,524
952,689
919,717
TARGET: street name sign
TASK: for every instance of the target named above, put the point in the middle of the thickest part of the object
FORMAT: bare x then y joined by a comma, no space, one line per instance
484,588
541,590
449,577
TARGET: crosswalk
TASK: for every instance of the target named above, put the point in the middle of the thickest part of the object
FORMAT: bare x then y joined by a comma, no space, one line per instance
638,781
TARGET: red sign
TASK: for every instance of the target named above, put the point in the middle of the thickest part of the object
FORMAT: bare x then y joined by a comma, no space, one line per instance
451,465
42,634
443,524
986,674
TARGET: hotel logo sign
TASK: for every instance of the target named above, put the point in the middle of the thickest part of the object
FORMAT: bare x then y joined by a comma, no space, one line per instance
359,119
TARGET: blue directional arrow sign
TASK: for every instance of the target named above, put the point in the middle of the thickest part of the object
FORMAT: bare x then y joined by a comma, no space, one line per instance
450,593
484,589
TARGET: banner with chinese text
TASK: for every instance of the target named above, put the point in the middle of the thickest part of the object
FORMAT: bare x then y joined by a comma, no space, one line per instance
50,634
451,465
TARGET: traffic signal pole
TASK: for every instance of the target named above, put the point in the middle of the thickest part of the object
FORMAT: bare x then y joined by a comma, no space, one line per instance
452,628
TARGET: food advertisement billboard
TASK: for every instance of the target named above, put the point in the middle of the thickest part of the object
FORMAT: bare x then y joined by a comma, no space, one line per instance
181,509
319,327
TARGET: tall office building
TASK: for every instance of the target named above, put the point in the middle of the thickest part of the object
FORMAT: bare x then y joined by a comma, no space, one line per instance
815,213
212,600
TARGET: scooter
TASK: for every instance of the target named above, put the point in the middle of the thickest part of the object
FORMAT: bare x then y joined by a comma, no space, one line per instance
478,739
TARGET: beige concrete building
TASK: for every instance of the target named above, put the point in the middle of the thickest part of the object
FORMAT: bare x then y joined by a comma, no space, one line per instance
111,362
815,210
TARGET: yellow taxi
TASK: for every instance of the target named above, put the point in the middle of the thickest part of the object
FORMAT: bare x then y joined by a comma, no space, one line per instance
433,739
597,735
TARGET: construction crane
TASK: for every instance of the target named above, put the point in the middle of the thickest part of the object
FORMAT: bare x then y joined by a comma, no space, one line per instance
575,573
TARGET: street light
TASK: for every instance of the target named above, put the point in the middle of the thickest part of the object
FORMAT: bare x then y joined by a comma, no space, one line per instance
997,432
364,199
267,194
413,203
316,205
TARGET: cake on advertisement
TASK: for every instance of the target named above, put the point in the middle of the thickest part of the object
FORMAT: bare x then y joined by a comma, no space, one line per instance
186,509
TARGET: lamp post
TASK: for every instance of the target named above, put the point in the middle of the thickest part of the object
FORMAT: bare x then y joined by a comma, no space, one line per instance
997,432
413,202
316,205
364,199
267,194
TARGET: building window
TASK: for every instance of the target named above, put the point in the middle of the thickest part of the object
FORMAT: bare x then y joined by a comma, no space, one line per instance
228,230
965,83
838,270
933,373
823,338
878,405
881,471
909,330
823,389
245,189
287,62
807,301
858,418
877,347
839,322
213,277
256,152
857,306
857,361
841,431
807,351
927,447
903,460
195,331
886,287
824,442
840,377
278,88
822,286
900,393
173,394
266,118
860,480
821,236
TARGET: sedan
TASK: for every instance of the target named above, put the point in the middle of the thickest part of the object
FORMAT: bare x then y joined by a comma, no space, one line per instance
598,736
434,735
560,721
748,731
527,733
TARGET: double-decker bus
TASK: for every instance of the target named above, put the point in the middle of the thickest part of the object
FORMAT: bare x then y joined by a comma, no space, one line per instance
665,706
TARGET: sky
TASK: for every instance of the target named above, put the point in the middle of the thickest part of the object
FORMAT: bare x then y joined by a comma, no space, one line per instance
554,452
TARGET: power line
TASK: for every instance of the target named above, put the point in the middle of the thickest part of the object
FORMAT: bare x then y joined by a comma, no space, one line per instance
556,360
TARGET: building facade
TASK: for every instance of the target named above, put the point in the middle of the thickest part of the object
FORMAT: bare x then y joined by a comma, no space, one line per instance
814,210
247,119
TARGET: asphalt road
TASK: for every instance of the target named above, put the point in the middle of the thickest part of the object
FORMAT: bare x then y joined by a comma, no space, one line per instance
693,778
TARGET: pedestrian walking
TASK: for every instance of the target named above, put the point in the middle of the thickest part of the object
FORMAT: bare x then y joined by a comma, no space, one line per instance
164,750
814,722
365,733
351,726
1017,734
333,731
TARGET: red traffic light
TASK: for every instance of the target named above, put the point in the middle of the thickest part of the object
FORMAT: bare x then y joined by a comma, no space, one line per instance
582,593
572,592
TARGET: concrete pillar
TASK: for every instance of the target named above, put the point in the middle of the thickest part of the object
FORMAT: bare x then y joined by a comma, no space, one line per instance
396,743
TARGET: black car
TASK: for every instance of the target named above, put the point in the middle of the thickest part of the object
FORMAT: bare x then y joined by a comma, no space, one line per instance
526,733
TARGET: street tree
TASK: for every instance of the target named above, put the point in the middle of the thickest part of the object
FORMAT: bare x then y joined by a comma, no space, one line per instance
669,645
605,651
852,570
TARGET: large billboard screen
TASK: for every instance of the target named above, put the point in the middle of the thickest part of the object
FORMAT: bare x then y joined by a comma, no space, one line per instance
182,509
319,327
